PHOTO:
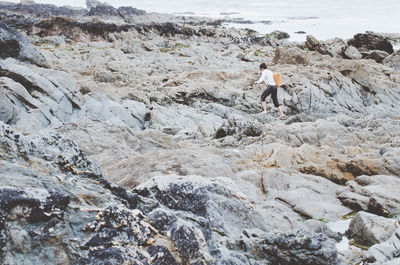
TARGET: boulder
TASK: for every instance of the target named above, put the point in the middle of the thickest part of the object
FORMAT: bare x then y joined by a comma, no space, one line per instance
129,13
277,248
333,47
278,35
375,194
314,45
386,252
14,44
294,56
239,126
371,41
350,52
393,60
376,55
369,229
95,3
104,11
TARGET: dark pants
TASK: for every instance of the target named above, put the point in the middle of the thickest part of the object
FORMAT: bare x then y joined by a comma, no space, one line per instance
274,95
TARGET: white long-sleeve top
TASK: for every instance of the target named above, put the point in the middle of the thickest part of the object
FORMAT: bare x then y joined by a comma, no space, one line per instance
268,77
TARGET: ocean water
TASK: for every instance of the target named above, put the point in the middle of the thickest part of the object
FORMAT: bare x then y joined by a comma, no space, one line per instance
324,19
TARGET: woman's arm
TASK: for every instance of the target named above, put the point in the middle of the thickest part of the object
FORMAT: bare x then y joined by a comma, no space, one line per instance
262,78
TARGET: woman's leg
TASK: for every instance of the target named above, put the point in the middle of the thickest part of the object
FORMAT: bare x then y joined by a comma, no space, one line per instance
265,94
274,96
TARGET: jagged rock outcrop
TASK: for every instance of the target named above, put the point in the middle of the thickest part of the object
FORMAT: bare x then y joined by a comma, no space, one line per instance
13,44
371,41
314,45
362,46
109,224
63,211
359,92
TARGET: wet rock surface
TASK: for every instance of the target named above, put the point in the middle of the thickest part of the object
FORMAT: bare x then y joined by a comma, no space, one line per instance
142,142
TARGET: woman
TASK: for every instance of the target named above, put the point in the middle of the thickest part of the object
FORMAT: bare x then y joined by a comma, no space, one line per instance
268,78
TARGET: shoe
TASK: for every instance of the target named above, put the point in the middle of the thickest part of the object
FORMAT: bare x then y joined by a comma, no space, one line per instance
282,117
264,111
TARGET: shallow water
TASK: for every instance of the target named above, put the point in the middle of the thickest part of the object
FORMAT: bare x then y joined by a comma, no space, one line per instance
341,227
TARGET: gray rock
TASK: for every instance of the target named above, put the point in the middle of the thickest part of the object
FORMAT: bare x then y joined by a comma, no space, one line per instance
27,2
353,255
47,96
129,14
173,119
127,113
8,112
314,45
371,41
104,11
299,200
32,14
205,200
275,248
350,52
386,252
377,55
278,35
171,85
393,60
65,212
375,194
14,44
369,229
291,56
95,3
335,47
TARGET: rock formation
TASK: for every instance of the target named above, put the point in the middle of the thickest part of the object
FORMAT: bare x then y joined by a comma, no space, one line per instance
128,137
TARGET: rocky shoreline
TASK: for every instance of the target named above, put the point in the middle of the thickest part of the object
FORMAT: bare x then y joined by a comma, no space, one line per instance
137,138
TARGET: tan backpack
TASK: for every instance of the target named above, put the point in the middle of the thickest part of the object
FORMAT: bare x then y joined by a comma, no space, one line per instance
278,79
